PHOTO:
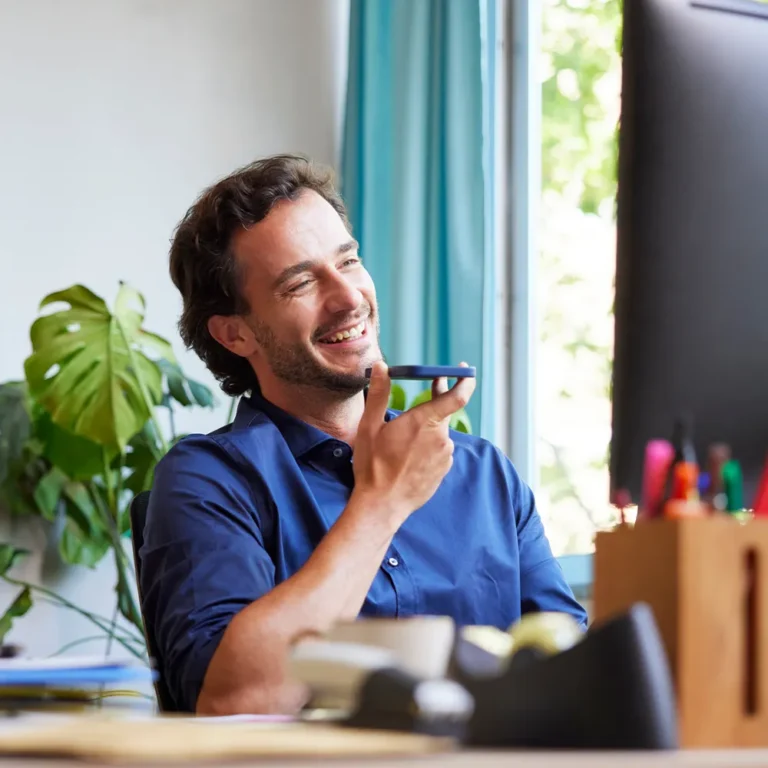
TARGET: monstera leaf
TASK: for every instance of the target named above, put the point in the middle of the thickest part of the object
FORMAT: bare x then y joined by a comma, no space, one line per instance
9,555
182,389
21,605
76,456
140,460
90,369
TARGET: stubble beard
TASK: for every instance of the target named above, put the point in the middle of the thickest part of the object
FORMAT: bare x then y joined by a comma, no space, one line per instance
294,364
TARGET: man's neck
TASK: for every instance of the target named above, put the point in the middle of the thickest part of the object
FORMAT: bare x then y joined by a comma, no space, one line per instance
334,413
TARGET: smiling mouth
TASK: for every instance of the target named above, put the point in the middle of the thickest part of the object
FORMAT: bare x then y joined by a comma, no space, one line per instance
349,333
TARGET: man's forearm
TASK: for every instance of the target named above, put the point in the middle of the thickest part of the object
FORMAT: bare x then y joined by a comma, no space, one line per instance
247,671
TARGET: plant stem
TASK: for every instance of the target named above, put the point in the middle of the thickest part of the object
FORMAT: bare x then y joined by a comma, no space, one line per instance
66,603
108,480
119,632
130,610
119,486
112,627
75,643
172,420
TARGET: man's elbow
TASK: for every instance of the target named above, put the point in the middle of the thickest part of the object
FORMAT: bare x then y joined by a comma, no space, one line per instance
285,698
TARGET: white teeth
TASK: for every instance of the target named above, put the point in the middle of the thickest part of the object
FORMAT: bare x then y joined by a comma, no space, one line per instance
352,333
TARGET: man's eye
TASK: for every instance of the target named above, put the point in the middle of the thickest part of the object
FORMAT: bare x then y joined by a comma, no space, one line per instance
350,262
298,287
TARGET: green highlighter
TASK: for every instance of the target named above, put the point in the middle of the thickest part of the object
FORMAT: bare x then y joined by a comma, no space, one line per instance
733,485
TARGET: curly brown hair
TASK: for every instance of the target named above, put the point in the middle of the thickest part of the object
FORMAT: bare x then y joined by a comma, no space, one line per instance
203,266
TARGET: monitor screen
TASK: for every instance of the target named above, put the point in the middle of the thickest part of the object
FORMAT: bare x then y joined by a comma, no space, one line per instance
691,313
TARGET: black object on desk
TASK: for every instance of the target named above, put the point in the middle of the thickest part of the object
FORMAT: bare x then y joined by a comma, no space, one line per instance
394,700
612,690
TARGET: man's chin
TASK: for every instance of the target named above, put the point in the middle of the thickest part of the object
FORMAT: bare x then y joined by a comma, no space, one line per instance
354,366
347,380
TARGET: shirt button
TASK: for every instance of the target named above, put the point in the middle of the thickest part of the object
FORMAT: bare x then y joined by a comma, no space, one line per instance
338,452
394,562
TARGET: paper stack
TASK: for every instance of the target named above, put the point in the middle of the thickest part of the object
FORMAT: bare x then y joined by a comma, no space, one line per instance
27,681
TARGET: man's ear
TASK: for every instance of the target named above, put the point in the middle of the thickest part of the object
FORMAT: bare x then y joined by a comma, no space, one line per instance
233,334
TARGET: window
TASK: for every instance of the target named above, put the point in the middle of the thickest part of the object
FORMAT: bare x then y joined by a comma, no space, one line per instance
580,74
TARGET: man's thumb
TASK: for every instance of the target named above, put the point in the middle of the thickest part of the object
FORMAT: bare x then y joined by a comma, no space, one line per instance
377,401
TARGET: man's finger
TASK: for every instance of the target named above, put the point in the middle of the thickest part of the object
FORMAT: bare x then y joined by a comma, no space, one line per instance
439,386
377,400
446,404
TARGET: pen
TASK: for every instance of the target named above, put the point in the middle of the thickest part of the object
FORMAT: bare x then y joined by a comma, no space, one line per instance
658,460
733,486
685,453
685,481
683,440
760,504
719,454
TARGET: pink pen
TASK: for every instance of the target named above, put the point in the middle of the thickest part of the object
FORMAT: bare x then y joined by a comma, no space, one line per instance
659,455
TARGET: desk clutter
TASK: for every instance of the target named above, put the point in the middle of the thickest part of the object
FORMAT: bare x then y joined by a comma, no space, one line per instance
383,688
545,683
697,557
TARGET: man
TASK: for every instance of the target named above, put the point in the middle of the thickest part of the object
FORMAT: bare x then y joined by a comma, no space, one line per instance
317,504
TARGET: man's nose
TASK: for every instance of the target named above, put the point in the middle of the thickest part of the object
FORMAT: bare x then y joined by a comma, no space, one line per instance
342,295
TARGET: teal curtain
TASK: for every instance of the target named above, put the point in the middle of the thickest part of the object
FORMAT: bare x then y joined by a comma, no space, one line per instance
418,165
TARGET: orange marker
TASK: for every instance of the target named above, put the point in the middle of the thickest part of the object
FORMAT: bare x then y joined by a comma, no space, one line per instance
685,481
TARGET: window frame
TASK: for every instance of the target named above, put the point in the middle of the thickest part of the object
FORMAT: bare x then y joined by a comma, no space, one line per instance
518,192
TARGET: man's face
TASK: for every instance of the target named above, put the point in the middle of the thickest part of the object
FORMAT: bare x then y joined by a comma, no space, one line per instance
313,305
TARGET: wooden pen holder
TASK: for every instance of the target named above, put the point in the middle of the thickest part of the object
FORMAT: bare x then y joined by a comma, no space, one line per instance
706,581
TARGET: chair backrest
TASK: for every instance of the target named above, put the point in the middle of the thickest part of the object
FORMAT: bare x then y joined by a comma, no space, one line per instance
138,512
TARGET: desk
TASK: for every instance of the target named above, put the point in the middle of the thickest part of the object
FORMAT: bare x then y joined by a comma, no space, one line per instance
723,759
459,759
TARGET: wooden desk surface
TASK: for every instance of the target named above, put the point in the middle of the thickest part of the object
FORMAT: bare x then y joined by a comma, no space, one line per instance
511,759
458,759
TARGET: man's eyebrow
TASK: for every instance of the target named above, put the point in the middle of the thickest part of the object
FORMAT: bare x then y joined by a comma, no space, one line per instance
292,271
350,245
306,266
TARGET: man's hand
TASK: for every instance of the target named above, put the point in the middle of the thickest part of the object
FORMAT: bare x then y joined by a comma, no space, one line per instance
401,463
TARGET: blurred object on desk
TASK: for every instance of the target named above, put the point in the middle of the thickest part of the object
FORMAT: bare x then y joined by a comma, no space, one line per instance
706,582
543,683
60,682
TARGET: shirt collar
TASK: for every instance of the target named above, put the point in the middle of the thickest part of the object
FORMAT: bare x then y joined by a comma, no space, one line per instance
300,436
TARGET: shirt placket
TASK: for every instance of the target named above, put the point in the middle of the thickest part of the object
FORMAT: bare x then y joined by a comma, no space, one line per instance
402,580
394,564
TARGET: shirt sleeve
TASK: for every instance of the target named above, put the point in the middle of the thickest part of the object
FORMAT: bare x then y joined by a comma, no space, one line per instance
542,582
203,559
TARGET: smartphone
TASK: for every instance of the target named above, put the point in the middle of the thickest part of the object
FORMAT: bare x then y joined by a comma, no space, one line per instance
428,372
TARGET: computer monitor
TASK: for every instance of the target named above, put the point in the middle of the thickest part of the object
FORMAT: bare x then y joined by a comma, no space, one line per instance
691,311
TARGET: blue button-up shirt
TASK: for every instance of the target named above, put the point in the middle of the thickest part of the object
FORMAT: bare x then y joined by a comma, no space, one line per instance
238,511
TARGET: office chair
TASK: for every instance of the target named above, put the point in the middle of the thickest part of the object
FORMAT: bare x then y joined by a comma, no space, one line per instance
138,513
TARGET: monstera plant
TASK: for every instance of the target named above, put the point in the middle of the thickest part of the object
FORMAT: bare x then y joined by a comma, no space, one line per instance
81,435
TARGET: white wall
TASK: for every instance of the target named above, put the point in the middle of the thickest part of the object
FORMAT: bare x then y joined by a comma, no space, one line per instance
113,116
